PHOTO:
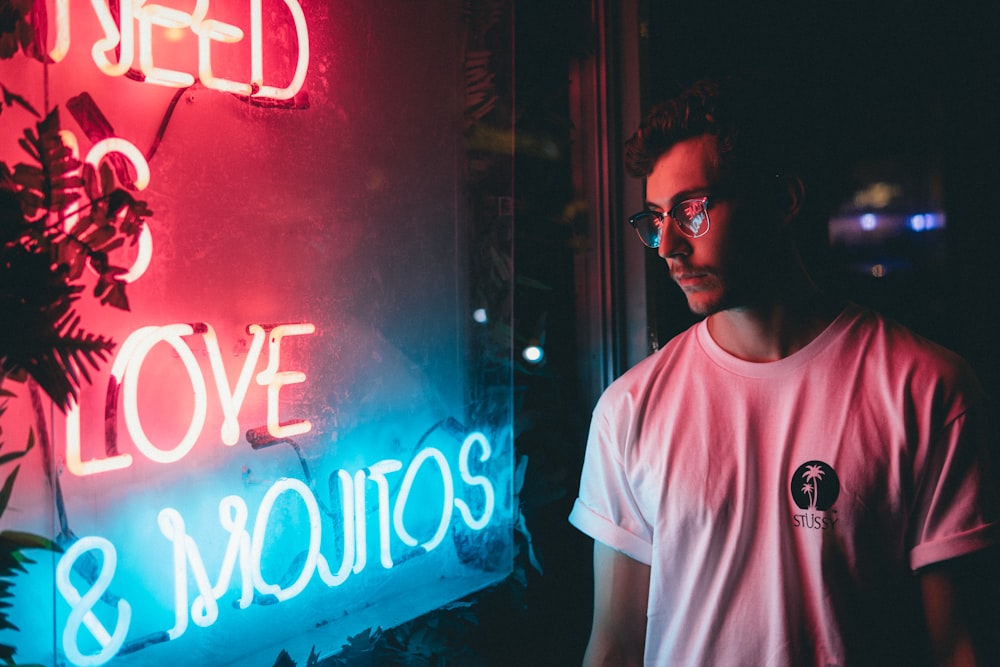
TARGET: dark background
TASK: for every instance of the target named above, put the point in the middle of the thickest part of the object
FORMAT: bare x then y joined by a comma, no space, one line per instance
890,86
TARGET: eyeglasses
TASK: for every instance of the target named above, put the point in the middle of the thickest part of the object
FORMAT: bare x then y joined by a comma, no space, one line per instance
690,215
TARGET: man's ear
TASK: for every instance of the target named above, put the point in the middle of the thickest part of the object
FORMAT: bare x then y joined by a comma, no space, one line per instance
791,196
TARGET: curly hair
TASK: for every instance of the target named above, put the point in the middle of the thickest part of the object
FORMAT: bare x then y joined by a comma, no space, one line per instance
750,119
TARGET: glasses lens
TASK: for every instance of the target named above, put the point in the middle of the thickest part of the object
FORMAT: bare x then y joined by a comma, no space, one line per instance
648,225
692,216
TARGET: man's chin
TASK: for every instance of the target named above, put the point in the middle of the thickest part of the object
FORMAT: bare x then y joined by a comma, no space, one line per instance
704,312
705,295
703,305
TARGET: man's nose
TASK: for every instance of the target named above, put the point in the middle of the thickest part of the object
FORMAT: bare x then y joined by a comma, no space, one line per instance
672,242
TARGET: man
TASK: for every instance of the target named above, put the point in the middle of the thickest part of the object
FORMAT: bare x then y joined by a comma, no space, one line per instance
793,480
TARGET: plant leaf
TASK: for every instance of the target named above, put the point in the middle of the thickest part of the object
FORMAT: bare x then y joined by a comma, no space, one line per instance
22,540
11,99
8,488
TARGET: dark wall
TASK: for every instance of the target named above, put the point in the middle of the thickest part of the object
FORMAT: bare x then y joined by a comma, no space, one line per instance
551,428
888,82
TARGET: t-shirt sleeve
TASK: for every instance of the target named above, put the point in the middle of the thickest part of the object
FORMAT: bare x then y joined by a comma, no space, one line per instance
606,508
957,507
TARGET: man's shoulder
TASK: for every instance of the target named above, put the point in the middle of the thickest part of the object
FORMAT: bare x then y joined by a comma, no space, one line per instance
885,340
899,338
679,351
676,350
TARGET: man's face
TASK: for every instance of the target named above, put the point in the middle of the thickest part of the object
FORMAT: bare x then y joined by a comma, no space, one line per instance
715,271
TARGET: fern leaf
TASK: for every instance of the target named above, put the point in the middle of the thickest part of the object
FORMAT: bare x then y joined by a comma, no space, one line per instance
7,489
21,540
10,99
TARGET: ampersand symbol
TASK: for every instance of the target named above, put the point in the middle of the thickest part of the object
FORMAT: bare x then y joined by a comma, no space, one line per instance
82,606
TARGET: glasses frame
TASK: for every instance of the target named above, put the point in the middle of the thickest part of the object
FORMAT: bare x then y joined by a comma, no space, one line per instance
705,202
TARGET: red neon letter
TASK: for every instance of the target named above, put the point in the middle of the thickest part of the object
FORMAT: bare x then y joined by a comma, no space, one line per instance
164,17
61,47
170,334
232,399
209,31
275,381
116,145
257,56
76,465
113,38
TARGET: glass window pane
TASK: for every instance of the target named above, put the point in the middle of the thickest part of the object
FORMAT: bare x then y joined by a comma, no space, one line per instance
304,428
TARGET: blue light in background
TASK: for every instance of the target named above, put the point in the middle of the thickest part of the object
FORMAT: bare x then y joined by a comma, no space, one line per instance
924,221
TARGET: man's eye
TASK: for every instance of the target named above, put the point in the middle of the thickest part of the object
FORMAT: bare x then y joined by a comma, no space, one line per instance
689,209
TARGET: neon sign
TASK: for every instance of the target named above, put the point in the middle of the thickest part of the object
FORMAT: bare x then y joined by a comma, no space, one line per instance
277,485
124,377
146,23
384,489
245,548
97,153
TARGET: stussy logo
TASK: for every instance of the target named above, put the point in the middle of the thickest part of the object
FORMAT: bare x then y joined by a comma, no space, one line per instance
815,487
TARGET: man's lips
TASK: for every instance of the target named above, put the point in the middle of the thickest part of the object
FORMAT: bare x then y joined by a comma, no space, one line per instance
689,278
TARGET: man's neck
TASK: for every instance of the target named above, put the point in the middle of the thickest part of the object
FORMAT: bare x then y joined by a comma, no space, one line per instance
774,329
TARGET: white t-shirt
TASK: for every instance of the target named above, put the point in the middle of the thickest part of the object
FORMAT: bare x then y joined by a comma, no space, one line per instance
783,506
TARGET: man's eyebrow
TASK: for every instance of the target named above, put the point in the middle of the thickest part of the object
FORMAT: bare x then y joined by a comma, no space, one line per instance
679,197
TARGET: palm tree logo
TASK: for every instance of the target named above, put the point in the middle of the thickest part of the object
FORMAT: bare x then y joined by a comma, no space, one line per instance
812,475
815,486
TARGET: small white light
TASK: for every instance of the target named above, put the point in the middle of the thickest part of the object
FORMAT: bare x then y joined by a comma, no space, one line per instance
918,223
869,222
533,354
479,315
